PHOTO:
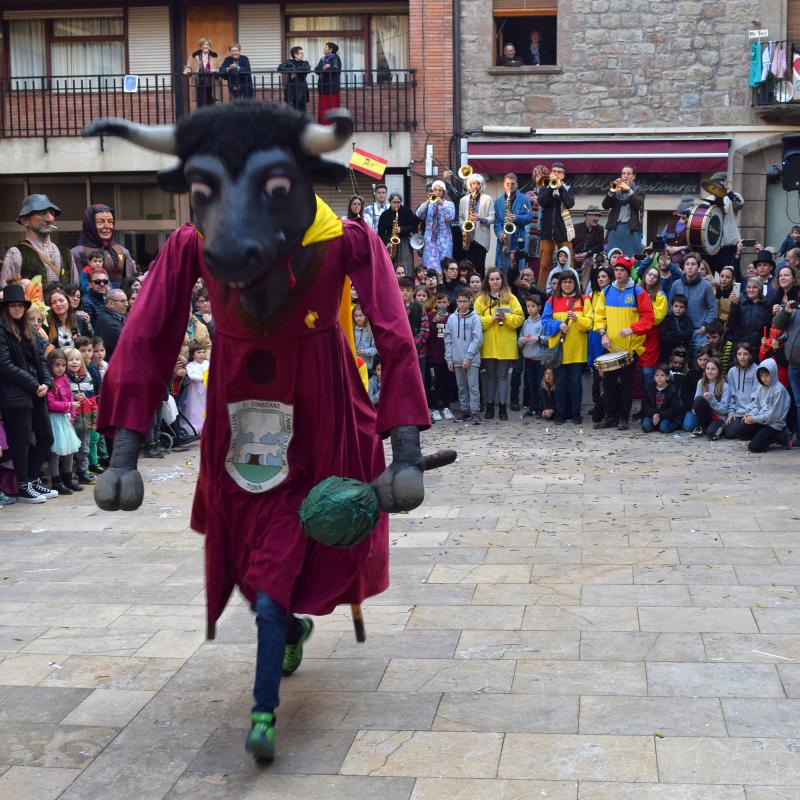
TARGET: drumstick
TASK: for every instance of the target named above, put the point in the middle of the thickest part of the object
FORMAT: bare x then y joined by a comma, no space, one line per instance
358,622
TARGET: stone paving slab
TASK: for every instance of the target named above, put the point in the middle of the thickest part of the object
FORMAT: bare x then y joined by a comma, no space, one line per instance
601,628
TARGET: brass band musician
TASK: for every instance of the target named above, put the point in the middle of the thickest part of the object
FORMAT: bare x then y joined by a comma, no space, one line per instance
476,207
556,197
398,220
512,212
625,203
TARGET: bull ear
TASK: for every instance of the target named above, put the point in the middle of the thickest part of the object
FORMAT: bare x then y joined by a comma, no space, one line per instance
160,138
173,180
330,172
318,139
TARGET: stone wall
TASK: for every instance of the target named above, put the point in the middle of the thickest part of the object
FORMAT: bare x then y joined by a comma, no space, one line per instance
623,63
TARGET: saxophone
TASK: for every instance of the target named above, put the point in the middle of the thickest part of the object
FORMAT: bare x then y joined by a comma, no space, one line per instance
469,226
394,241
509,228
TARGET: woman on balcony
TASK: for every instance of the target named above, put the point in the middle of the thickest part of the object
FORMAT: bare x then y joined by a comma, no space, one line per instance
236,70
329,70
203,65
294,71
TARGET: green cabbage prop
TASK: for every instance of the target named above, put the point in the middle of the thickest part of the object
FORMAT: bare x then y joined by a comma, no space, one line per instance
340,512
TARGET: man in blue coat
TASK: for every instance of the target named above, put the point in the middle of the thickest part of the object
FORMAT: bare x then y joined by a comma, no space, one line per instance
515,208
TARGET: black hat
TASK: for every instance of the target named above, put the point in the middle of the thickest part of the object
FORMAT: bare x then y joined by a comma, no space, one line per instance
764,256
36,202
15,293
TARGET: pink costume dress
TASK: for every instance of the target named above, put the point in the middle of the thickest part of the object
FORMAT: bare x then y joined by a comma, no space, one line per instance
283,413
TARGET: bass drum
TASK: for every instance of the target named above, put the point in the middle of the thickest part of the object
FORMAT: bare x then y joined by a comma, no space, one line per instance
704,228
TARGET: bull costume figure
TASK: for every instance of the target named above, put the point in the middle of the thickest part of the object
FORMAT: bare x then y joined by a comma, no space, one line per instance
286,407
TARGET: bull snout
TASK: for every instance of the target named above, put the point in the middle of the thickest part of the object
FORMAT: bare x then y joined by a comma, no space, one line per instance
244,261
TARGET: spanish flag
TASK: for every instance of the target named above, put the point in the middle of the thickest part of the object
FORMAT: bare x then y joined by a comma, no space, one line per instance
369,164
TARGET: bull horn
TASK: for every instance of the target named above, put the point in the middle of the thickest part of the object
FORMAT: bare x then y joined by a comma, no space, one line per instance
159,138
319,139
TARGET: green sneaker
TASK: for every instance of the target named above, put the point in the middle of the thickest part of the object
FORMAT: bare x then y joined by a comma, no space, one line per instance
260,740
293,654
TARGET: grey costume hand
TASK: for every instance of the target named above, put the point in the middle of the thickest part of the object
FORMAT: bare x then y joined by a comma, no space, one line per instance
400,486
120,487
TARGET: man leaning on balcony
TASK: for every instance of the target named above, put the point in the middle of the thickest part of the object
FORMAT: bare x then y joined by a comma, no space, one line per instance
37,254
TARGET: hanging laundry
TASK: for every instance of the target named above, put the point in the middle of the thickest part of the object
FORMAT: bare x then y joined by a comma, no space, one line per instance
766,60
755,65
778,62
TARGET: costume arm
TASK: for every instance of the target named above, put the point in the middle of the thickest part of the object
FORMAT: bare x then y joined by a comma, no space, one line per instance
402,395
145,354
449,211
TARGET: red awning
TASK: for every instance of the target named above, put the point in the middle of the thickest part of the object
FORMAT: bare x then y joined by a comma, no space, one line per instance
600,155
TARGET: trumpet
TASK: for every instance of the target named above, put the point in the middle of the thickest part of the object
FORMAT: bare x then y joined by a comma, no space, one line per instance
465,171
554,183
543,181
618,185
432,198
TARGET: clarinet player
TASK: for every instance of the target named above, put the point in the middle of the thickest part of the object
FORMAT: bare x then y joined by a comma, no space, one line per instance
477,207
512,208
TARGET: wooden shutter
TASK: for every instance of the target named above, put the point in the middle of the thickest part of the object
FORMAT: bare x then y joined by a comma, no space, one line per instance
261,35
525,8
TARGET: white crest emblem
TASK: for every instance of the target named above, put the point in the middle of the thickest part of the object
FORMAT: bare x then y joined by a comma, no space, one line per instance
260,434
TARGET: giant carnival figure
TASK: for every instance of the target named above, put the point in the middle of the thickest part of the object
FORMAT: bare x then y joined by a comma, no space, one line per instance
287,409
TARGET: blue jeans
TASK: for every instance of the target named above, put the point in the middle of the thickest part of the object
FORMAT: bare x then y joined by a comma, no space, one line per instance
569,390
664,426
794,382
646,377
275,628
698,341
690,421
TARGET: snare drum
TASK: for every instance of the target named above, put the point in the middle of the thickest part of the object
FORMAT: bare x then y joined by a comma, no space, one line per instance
704,228
610,362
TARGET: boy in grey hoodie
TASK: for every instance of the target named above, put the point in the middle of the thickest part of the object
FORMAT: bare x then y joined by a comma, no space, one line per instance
765,421
463,337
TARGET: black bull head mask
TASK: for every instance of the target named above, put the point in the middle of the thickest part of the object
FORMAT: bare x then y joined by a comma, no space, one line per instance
249,169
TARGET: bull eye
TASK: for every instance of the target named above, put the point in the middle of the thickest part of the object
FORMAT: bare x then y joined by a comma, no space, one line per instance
201,192
278,187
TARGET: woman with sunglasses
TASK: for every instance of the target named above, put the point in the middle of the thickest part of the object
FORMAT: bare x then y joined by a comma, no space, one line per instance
95,299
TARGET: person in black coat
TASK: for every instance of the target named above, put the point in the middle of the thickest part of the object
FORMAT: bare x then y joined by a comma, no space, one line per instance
236,70
111,320
751,318
295,70
24,383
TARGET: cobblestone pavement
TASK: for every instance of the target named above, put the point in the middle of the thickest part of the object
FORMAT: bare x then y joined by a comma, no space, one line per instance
572,616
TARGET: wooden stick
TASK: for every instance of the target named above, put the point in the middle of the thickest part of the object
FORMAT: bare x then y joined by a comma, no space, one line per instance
358,623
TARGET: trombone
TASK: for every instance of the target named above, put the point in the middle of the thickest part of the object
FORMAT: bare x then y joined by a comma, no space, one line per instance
465,171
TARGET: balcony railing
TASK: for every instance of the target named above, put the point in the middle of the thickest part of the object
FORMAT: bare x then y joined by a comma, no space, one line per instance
52,107
781,87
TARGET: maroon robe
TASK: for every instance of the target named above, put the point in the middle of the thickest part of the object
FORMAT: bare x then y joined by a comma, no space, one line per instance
253,535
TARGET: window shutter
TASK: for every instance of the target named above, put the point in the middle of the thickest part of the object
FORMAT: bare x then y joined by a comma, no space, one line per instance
261,35
149,40
512,8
